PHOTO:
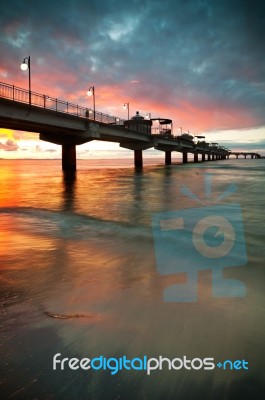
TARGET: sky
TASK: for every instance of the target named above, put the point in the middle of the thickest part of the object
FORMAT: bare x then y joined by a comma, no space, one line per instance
199,62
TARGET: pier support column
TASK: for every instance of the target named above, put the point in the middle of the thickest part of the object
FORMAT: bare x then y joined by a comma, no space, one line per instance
68,157
138,158
209,157
203,157
168,157
185,157
195,157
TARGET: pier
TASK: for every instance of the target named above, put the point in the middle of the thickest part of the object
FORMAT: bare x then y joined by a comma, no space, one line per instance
244,154
69,125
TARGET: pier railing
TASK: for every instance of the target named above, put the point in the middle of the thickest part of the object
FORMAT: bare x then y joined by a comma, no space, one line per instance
15,93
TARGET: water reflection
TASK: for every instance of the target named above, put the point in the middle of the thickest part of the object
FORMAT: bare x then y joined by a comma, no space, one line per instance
89,251
69,190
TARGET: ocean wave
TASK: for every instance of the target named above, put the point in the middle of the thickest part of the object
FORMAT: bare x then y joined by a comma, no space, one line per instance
73,225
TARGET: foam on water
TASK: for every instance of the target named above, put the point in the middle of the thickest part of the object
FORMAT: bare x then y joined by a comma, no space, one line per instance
72,226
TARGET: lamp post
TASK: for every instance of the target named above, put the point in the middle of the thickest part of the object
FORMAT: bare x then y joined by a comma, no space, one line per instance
147,116
91,92
126,106
24,66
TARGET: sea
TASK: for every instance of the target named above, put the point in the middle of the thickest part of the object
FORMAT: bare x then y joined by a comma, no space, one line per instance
85,269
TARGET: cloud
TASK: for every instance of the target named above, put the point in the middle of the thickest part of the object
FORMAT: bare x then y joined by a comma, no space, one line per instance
9,145
258,146
199,62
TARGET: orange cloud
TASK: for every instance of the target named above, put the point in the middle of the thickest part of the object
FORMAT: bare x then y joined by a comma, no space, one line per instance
17,135
6,133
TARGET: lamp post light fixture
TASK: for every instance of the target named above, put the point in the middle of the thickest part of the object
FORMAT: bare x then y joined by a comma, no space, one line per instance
91,92
24,66
126,106
147,116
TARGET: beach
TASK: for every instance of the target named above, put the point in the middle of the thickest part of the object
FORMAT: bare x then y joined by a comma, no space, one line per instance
80,277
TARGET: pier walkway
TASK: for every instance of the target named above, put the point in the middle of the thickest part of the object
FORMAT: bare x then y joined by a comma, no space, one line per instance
69,125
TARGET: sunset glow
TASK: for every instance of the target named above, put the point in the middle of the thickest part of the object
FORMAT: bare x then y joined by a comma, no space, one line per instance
201,74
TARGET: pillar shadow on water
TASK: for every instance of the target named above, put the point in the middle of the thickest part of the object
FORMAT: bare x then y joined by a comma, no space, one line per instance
69,189
137,208
138,169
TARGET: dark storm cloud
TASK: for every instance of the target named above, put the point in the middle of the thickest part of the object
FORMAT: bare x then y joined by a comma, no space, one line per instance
195,51
256,146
